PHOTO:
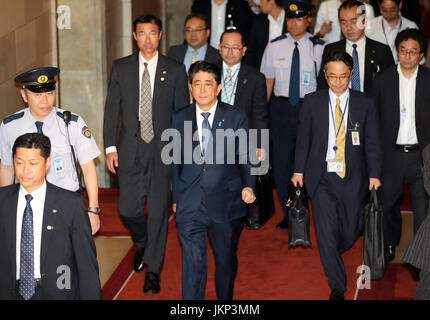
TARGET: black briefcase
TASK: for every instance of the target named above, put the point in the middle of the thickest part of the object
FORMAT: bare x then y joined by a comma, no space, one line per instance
374,245
298,217
263,207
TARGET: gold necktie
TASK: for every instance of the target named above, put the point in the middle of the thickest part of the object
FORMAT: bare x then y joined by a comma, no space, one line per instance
340,138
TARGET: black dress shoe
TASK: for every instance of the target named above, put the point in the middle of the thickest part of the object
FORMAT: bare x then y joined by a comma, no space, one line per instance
139,264
152,283
415,273
337,295
283,224
391,252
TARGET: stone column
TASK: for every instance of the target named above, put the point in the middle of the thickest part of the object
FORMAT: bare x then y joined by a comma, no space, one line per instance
82,60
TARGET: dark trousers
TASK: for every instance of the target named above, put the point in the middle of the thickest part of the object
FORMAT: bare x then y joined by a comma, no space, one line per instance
224,238
405,166
284,119
146,183
338,207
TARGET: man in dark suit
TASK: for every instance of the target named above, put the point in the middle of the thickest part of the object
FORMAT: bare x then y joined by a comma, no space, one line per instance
210,190
145,88
338,152
268,25
403,98
369,56
196,47
47,250
230,14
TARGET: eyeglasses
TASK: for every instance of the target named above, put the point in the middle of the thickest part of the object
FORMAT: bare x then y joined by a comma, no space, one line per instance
189,30
234,49
412,53
342,77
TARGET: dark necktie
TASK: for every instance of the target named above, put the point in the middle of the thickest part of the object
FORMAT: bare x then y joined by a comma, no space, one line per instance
26,275
146,128
39,125
294,92
355,80
206,131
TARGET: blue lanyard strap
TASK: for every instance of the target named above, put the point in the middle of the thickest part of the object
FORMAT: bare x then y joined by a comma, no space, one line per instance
233,92
341,121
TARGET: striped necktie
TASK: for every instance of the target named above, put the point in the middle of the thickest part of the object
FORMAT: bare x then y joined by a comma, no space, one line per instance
227,90
355,79
340,138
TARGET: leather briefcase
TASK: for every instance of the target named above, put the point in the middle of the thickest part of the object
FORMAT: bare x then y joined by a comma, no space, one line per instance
298,217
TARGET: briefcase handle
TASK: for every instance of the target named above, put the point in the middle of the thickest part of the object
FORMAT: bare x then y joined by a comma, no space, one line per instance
374,198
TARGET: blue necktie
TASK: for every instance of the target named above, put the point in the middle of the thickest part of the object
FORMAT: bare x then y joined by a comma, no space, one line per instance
206,132
39,125
26,275
294,92
355,80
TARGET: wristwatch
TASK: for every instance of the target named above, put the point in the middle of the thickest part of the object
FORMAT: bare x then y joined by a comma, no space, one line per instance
94,210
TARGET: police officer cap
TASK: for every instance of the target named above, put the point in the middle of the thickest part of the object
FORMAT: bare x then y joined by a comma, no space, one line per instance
39,79
297,8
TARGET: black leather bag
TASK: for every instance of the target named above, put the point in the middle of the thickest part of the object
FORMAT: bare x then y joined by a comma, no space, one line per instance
374,245
263,207
298,217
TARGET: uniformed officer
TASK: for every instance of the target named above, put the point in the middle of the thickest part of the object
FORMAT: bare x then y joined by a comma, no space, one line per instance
38,91
290,64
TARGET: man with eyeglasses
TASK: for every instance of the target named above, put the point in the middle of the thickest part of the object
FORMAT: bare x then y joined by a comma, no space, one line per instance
369,56
196,47
290,64
386,27
338,153
403,97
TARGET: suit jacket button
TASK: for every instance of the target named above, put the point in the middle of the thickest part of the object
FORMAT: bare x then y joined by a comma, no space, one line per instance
204,169
201,187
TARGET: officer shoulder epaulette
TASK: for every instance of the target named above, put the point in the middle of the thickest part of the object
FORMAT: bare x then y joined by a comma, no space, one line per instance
282,36
13,117
74,116
316,40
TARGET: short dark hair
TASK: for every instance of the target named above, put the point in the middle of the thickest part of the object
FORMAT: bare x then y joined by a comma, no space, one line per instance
200,16
413,34
33,141
339,56
148,18
396,1
233,31
348,4
204,66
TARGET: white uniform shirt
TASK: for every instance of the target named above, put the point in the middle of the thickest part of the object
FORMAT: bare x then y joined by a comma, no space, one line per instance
361,50
276,64
217,22
62,172
37,206
378,29
407,129
276,26
328,11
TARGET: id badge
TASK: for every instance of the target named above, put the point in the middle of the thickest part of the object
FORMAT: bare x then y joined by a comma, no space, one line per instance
355,136
306,78
335,166
58,165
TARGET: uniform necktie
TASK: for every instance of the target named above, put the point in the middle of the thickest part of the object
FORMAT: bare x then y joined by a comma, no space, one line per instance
340,138
146,128
206,131
39,125
294,92
193,59
26,274
355,80
227,90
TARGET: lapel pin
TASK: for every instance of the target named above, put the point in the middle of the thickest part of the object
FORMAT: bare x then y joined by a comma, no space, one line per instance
50,228
162,78
245,81
371,61
219,124
54,211
164,72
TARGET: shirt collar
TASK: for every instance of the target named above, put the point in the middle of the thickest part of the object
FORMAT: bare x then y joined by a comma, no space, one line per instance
211,110
413,77
387,25
45,120
280,17
219,6
199,50
360,43
151,62
233,68
36,194
302,39
344,96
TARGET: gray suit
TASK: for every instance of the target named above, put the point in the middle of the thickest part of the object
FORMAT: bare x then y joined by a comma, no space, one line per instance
142,176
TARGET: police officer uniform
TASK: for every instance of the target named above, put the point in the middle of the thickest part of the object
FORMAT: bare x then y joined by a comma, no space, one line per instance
62,172
277,63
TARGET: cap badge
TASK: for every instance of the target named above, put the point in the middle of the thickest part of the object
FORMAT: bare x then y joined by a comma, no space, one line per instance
42,79
293,7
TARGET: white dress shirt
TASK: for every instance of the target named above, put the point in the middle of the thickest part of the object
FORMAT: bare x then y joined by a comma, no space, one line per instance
235,72
276,26
361,50
217,22
344,99
407,129
152,68
37,205
200,119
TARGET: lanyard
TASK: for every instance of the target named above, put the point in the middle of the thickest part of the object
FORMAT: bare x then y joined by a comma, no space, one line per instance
385,34
341,121
233,91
